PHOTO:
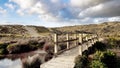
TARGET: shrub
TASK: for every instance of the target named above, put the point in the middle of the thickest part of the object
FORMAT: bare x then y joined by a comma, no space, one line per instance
13,48
109,59
91,50
40,44
48,48
3,45
85,53
34,64
81,62
100,46
97,64
1,51
33,42
98,55
19,48
113,42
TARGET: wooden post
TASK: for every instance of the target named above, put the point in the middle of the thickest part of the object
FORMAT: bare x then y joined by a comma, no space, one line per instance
87,45
56,44
80,50
75,36
80,46
94,38
86,38
80,38
67,36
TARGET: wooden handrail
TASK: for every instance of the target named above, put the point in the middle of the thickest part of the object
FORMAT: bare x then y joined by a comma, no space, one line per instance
78,37
66,41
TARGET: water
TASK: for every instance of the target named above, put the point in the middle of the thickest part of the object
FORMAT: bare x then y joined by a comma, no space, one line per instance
7,63
24,60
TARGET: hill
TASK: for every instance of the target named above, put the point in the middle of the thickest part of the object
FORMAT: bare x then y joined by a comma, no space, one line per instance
12,29
105,29
6,30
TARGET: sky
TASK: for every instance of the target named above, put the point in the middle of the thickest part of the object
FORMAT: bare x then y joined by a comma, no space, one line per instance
57,13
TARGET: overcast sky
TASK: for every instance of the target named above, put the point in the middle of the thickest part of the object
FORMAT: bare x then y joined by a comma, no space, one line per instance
54,13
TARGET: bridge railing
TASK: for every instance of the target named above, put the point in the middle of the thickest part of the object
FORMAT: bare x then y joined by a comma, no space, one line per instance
82,39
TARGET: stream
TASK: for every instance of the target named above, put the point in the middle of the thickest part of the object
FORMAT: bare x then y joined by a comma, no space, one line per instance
23,60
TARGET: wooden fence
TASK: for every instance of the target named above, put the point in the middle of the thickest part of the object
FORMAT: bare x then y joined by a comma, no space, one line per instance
82,39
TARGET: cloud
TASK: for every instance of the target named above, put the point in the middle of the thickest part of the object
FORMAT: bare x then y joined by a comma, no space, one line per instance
9,23
86,3
11,6
114,18
46,8
108,9
2,11
24,4
78,11
20,12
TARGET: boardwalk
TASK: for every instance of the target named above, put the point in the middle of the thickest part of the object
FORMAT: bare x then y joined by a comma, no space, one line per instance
65,60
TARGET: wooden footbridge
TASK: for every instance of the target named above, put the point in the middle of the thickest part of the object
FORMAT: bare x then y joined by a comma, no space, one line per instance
76,43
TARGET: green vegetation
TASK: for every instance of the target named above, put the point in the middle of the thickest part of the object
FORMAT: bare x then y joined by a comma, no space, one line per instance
25,46
42,29
2,51
97,64
21,46
12,29
3,48
107,57
107,29
113,42
81,62
102,58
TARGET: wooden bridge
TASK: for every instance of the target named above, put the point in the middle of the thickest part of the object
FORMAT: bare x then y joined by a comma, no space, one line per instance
76,43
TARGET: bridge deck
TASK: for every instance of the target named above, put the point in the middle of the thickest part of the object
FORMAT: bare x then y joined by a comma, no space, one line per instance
65,60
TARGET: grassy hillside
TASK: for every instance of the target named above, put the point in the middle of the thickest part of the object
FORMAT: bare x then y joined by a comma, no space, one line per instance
40,29
103,29
20,30
12,29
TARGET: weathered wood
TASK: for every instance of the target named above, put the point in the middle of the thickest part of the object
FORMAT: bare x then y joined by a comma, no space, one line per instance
80,41
67,36
67,41
80,38
75,36
80,50
56,44
62,60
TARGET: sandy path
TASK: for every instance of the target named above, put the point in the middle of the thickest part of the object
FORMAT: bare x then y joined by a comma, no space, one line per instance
32,31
